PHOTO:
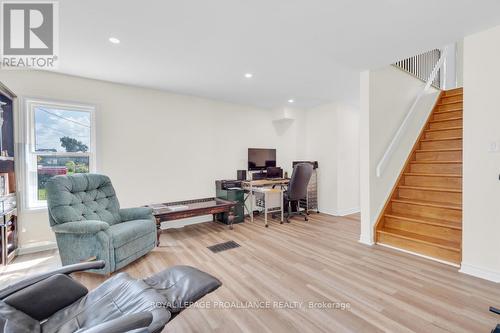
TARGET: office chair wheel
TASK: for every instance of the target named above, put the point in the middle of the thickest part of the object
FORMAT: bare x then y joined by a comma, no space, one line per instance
281,222
267,225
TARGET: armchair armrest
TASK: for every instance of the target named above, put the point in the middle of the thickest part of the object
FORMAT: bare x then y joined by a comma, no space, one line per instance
81,227
14,287
138,213
126,323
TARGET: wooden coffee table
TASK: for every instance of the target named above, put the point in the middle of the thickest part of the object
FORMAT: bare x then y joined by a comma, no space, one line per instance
183,209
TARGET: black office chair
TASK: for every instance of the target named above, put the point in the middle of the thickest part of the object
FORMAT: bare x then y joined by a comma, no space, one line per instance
497,311
297,189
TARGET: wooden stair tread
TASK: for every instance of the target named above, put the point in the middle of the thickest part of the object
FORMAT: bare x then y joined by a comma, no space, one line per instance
443,120
430,188
447,103
436,162
450,110
442,139
427,203
441,243
454,175
426,220
454,94
437,150
444,129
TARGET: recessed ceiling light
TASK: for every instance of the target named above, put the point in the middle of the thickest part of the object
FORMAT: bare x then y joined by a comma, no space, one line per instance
114,40
291,101
248,75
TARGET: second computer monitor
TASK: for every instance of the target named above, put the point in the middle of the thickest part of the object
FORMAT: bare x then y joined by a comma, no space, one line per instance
274,172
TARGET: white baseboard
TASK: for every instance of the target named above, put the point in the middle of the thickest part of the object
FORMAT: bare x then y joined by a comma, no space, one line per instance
344,212
328,212
480,272
37,247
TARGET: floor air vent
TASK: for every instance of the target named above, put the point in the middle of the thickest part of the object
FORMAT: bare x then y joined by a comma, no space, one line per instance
223,246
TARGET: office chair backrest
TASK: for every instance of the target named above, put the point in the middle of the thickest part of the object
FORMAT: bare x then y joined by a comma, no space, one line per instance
297,188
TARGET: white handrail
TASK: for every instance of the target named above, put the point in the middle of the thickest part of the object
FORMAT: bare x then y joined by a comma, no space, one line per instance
402,128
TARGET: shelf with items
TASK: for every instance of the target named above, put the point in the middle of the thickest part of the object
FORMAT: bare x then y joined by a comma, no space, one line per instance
9,236
310,203
7,177
7,203
8,197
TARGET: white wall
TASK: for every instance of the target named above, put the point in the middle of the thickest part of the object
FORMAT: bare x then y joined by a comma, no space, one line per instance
348,159
366,234
158,146
453,71
332,136
321,138
481,185
386,96
460,63
449,72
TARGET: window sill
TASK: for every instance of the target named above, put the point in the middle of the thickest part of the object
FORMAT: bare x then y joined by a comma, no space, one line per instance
34,210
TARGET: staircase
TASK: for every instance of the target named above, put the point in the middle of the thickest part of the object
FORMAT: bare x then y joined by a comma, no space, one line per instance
424,212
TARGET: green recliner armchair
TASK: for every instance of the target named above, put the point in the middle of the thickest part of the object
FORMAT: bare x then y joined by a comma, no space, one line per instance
85,214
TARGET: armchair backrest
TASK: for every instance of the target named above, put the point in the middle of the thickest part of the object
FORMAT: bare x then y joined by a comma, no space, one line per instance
81,197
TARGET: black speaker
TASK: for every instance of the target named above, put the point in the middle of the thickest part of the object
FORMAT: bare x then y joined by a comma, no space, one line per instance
241,175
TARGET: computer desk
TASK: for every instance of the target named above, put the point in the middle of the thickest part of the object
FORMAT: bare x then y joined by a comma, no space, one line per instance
252,186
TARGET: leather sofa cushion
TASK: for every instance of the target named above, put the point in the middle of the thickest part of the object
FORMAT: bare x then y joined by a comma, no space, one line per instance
82,197
44,298
118,296
126,232
15,321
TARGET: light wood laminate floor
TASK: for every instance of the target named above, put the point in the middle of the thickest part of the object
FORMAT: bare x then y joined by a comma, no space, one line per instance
316,261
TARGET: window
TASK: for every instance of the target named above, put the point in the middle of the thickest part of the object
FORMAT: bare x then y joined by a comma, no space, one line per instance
60,141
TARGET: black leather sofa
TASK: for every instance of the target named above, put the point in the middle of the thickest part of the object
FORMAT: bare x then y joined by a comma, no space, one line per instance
54,302
497,311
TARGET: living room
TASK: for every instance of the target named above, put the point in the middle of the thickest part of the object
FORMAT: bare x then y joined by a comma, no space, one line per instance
147,109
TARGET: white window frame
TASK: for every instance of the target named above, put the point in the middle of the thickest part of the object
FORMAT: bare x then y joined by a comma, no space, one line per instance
30,173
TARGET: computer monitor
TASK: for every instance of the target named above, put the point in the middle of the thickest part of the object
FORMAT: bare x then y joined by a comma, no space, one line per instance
261,158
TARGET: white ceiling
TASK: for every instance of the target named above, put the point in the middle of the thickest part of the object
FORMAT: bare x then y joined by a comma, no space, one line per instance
308,50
